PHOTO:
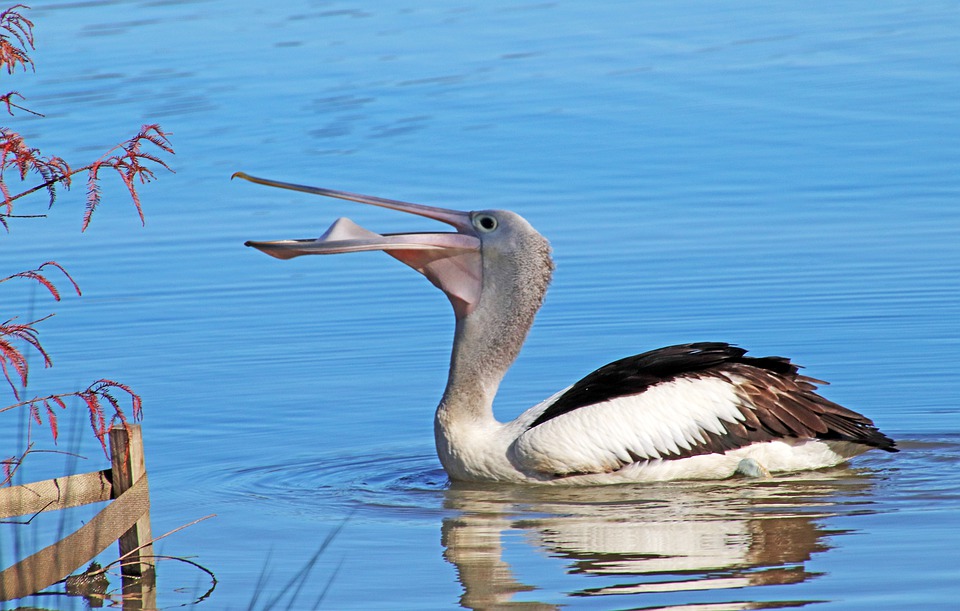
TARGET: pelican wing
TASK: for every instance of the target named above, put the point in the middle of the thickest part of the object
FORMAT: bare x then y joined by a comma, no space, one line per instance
679,402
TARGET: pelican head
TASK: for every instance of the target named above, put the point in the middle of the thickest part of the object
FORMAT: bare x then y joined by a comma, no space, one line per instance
492,251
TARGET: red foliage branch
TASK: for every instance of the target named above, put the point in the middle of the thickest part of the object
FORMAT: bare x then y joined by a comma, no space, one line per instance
126,158
102,399
96,397
128,164
37,274
16,38
13,362
7,100
16,154
12,357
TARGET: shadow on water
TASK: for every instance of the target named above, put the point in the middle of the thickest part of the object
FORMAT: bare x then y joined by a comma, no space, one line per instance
661,539
690,545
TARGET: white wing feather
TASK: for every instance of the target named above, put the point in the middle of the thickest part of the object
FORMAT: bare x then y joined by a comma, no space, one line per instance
662,421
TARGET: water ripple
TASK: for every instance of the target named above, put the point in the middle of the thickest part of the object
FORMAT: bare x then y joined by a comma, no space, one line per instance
412,483
406,482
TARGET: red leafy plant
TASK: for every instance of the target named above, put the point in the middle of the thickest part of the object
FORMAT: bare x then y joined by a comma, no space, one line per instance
104,398
126,158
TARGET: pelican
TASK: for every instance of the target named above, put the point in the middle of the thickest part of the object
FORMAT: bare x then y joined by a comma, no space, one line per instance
692,411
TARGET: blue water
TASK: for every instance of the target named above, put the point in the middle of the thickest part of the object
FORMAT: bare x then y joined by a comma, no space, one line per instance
781,177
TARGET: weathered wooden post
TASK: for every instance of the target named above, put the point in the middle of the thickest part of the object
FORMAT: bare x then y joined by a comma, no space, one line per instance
126,519
126,456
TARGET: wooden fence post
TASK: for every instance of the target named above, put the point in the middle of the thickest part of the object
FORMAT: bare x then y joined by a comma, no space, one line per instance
125,519
126,456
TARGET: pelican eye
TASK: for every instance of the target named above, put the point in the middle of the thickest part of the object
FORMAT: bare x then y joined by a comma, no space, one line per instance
485,222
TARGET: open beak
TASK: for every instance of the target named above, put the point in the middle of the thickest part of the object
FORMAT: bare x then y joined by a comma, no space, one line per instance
451,261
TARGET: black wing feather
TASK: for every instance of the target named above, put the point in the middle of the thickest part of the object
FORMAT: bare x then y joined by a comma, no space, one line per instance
777,401
634,374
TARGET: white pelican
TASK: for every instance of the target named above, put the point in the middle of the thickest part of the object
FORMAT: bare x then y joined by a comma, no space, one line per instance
693,411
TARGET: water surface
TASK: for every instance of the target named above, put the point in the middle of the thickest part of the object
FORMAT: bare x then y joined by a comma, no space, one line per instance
783,178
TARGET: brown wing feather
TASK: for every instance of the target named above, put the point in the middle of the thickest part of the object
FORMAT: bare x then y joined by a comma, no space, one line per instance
787,405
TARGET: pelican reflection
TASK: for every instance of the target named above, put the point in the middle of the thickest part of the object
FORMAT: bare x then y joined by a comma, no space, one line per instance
661,541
